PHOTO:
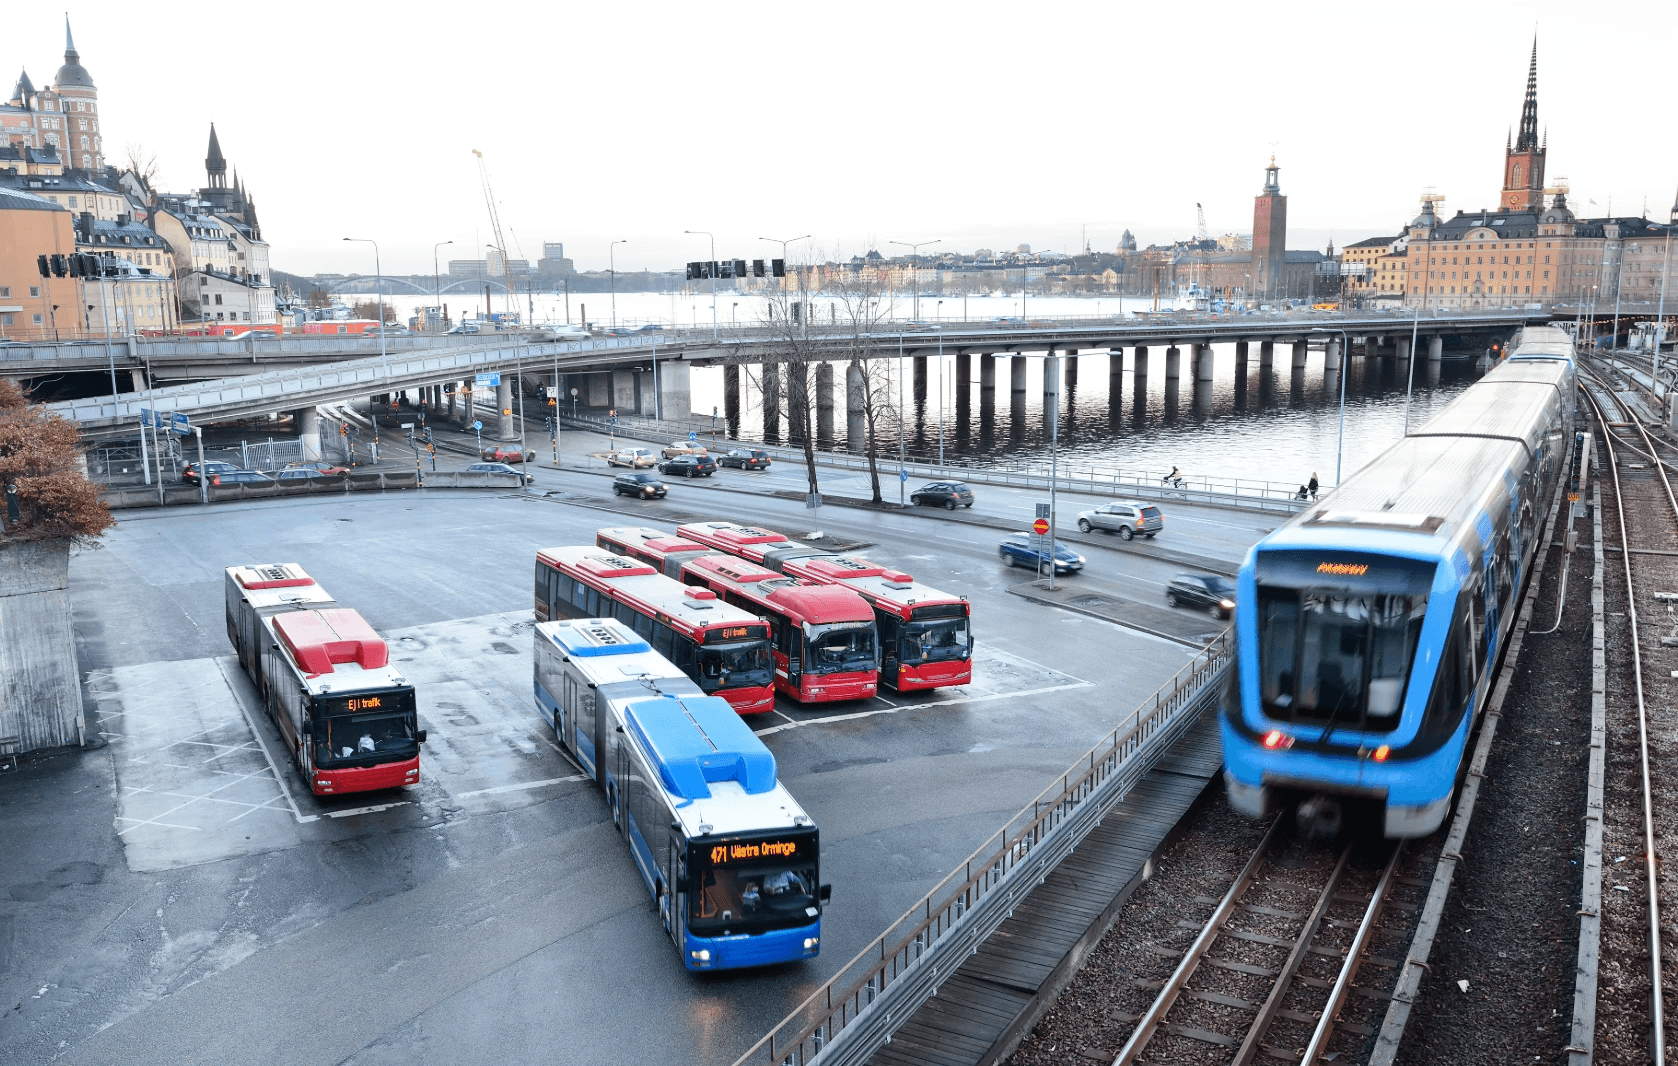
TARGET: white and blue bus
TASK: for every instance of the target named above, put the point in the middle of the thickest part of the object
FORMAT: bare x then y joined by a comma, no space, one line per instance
730,858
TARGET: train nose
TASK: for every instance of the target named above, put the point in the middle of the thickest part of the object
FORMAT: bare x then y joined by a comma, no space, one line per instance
1319,817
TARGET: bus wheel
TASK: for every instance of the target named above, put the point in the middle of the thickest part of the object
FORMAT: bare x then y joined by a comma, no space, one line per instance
617,811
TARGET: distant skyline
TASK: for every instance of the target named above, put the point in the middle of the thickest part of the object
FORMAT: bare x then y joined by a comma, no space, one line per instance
988,127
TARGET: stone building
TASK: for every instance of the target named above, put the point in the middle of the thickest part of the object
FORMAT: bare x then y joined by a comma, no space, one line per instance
63,116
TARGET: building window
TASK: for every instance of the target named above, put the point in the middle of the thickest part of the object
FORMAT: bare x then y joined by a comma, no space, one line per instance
5,292
218,299
34,290
37,320
5,318
72,201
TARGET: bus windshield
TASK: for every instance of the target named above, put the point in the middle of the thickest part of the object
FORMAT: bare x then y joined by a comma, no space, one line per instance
753,896
840,646
1330,658
364,739
743,664
935,641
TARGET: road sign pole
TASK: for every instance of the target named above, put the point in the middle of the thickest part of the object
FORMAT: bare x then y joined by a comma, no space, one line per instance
146,417
203,481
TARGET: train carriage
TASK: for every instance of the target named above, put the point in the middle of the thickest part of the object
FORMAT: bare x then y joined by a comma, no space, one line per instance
1369,625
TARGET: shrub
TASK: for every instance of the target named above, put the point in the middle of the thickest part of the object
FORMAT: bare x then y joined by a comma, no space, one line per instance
38,454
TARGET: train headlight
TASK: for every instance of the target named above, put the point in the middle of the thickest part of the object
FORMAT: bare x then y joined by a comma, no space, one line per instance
810,942
702,955
1382,752
1276,740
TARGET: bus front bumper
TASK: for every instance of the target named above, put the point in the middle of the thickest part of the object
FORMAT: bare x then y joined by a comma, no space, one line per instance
763,949
365,778
919,676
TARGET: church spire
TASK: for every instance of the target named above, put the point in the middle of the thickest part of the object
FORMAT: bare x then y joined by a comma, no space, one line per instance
1528,140
214,164
70,55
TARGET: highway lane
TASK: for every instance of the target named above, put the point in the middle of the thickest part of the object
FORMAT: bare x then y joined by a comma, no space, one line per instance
489,913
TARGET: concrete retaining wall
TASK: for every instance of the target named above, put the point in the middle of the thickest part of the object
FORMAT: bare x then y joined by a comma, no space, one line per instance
40,686
371,481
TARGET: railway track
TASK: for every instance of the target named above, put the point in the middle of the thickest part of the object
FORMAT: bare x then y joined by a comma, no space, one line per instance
1272,968
1641,523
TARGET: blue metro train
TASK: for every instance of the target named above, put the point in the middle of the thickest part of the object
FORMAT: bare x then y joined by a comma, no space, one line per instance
1368,626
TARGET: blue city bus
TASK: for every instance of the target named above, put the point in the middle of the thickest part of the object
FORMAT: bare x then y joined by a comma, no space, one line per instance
728,855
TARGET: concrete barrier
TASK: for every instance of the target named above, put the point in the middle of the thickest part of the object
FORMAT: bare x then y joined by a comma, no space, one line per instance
40,690
359,481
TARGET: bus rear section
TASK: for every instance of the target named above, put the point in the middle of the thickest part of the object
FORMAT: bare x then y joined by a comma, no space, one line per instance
261,590
729,857
724,649
824,641
348,716
926,636
764,547
662,551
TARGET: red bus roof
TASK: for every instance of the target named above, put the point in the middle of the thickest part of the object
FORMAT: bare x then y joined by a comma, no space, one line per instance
746,541
661,545
892,590
319,639
271,576
802,601
686,607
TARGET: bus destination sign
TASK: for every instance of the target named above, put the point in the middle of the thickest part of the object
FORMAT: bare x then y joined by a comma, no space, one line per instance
753,850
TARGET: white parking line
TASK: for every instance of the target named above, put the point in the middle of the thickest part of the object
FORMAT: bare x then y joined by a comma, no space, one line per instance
233,688
523,786
917,706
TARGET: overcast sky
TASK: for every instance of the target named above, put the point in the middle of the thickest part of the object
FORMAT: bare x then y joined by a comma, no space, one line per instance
983,124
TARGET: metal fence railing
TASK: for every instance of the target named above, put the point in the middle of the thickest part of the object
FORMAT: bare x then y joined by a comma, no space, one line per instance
855,1012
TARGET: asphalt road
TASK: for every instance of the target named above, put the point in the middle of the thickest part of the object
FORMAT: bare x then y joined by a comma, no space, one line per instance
176,896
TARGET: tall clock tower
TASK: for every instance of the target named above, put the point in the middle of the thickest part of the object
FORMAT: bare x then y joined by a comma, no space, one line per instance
1523,162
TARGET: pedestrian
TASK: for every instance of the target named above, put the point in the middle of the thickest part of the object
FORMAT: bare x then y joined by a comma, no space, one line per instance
1313,485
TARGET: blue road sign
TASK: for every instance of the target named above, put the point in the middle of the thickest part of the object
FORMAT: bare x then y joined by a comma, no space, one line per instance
692,435
478,425
487,379
179,423
903,475
147,417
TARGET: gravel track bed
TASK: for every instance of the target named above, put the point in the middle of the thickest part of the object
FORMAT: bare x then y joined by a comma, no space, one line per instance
1098,1010
1624,988
1511,926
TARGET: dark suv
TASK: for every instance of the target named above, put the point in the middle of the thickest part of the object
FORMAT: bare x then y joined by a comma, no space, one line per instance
642,485
745,459
689,466
1216,595
946,494
192,471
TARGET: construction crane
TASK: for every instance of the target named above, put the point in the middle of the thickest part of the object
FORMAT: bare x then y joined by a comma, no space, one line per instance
1200,224
495,227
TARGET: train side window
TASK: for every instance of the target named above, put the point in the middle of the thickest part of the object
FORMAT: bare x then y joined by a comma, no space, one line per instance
1444,704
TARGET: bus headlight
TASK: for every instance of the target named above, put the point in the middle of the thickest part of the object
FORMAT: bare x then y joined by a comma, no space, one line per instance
810,942
702,955
1228,605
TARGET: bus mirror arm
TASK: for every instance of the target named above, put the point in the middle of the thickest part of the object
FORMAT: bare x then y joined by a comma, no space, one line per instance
826,892
683,885
419,736
620,728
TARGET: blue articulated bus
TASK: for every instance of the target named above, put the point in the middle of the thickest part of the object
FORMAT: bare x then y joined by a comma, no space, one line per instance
1368,626
730,858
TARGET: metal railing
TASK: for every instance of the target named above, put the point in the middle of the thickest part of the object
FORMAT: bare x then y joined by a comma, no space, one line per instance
854,1014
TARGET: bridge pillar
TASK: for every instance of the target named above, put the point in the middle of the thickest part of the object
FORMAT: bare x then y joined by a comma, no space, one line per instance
675,390
1071,370
504,428
987,377
1331,354
1435,349
856,405
824,404
771,376
138,376
920,378
964,373
1051,380
1173,363
307,421
1141,369
468,405
1404,350
1240,353
1267,354
1016,375
1203,361
731,396
1300,349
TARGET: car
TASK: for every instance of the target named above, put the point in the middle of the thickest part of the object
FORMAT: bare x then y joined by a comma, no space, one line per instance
946,494
650,327
745,459
241,477
255,335
634,458
1124,517
1017,551
502,470
191,472
700,465
503,455
1209,591
304,474
388,331
463,328
645,486
682,447
323,468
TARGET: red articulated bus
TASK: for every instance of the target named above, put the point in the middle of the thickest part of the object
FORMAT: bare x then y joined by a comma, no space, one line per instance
720,646
926,636
824,643
664,552
325,677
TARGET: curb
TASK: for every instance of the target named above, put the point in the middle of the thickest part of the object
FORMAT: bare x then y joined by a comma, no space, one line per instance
1026,591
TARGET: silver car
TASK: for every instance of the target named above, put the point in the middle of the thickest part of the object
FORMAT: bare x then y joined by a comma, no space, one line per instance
1124,517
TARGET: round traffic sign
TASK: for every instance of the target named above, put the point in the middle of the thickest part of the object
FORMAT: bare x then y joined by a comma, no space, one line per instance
1040,527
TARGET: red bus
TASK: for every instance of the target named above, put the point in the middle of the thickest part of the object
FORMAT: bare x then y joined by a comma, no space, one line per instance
325,677
926,636
824,643
723,648
664,552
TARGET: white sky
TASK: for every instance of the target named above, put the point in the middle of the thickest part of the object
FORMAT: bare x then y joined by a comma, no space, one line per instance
983,124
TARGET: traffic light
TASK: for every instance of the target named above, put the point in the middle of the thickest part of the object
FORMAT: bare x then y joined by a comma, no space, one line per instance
75,261
43,266
779,267
693,271
757,268
59,267
739,268
343,429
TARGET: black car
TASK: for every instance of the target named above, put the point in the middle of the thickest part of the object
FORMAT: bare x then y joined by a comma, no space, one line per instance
1215,594
745,459
689,466
212,469
946,494
241,477
643,485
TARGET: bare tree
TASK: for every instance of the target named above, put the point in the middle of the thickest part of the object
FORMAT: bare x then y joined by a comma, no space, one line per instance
863,307
371,308
141,160
319,298
799,352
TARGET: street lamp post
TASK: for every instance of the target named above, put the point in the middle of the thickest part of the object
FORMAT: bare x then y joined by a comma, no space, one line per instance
915,264
612,264
783,244
1619,277
1660,313
379,292
1345,357
437,277
712,270
940,314
901,478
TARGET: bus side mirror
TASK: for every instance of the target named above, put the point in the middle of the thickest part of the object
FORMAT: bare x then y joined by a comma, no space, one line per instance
683,884
420,736
826,893
620,728
306,728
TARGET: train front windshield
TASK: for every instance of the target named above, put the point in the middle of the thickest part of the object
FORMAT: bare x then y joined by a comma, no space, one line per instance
345,737
752,885
1340,656
743,664
839,647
